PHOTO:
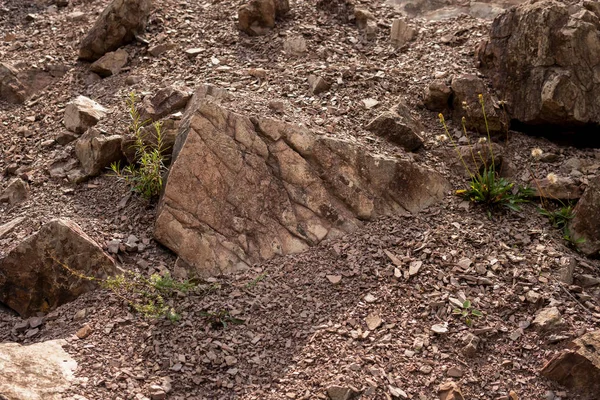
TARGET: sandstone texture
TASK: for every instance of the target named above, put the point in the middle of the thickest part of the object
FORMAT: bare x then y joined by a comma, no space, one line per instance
240,191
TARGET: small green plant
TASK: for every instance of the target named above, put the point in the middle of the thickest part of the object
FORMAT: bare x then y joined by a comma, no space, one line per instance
146,176
256,280
559,218
467,312
144,295
220,319
485,186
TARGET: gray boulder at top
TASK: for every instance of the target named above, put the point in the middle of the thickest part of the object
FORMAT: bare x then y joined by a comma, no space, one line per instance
543,57
118,25
40,274
586,223
34,372
239,191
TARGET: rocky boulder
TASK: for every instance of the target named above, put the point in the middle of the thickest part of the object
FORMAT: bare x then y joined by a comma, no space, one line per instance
257,17
577,367
543,57
19,82
110,63
83,113
243,190
164,102
16,192
585,226
437,96
37,371
96,151
119,24
399,127
466,102
401,33
42,272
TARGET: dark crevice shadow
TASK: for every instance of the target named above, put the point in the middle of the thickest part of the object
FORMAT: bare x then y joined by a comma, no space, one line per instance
586,136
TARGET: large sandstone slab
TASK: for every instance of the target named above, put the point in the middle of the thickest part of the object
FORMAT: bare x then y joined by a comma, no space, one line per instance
118,25
544,59
41,371
240,191
48,268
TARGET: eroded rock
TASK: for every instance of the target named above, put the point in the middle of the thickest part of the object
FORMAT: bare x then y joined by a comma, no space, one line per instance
257,17
401,33
110,63
469,92
437,96
164,102
35,276
83,113
399,127
37,371
239,192
96,151
543,57
17,191
577,367
118,25
19,82
585,225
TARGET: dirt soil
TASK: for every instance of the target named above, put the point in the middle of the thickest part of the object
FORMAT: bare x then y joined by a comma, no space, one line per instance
301,332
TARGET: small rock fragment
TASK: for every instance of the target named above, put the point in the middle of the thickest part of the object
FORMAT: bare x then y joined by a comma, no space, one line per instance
373,321
83,113
84,331
110,63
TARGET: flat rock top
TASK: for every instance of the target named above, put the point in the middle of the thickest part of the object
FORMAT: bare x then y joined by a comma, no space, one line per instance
40,371
444,9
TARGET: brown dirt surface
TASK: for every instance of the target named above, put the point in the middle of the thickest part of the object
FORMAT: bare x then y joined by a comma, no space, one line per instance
301,332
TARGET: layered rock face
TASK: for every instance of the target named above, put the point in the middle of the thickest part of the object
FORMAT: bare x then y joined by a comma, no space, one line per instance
544,59
240,191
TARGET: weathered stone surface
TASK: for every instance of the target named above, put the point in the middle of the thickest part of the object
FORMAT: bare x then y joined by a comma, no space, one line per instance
19,82
577,367
295,45
343,393
6,228
450,391
17,191
467,103
437,96
586,223
96,151
547,319
31,278
12,90
110,63
164,102
543,57
118,25
559,188
257,17
399,127
239,192
37,371
318,84
362,17
83,113
401,33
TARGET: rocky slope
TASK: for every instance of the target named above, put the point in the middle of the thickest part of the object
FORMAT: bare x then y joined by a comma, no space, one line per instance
369,312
